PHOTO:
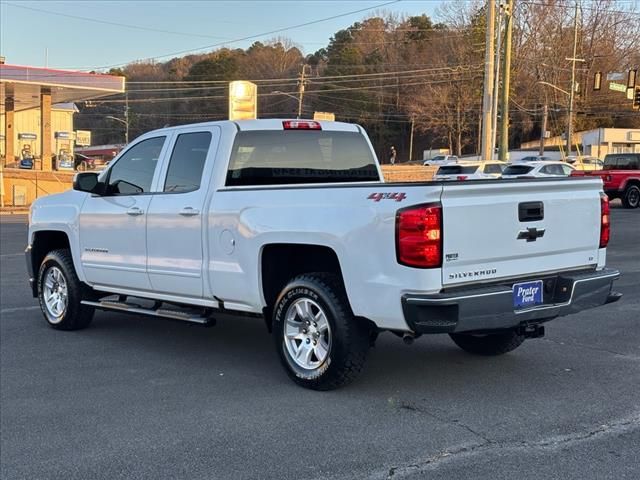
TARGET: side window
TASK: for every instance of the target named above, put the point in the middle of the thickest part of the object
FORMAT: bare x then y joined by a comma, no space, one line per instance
556,170
567,170
493,168
133,172
545,170
187,162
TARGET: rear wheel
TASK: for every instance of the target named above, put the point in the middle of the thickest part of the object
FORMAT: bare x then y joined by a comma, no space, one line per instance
60,293
320,343
631,197
489,344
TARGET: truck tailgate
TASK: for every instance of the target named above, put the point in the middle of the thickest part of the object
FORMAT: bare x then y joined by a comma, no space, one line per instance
515,229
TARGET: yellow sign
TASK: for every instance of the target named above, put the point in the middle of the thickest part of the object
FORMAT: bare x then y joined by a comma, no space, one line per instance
243,100
331,117
83,138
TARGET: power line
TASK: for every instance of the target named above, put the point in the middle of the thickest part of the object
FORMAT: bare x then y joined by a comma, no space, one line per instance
259,35
107,22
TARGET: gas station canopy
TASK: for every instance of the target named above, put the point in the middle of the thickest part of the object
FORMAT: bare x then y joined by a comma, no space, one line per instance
24,85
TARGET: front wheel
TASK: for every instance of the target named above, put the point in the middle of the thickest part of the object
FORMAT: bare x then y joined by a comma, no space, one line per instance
631,197
490,344
60,293
320,343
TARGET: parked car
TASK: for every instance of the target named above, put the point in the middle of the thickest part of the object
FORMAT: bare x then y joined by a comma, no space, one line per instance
470,171
290,221
534,158
441,160
82,162
585,163
538,169
620,176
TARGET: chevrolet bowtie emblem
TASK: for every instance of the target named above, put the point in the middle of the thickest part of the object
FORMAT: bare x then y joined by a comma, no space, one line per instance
531,234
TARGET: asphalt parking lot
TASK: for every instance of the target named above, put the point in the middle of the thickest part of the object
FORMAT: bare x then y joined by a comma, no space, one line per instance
134,397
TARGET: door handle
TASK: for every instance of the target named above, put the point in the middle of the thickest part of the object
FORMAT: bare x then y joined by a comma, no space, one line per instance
189,212
135,211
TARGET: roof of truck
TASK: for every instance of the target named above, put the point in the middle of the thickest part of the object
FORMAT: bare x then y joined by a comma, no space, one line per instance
270,124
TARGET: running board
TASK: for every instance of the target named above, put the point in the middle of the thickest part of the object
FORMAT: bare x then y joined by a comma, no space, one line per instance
154,312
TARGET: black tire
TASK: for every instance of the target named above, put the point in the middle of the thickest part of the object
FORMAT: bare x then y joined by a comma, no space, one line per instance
631,197
75,315
349,337
488,345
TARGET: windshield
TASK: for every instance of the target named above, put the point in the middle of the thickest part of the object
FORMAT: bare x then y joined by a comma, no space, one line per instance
517,170
438,158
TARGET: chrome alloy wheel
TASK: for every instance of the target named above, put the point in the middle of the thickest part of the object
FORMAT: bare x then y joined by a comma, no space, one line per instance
55,294
307,334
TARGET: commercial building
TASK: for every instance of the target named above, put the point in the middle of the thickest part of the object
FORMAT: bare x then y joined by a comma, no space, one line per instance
28,116
36,119
597,142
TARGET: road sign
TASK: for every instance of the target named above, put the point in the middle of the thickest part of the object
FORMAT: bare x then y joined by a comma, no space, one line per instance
83,138
324,116
243,100
618,87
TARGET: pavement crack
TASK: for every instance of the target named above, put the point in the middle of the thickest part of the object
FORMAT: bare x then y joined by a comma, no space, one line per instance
404,405
619,426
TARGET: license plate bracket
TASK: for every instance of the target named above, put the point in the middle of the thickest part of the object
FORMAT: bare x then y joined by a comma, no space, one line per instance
527,294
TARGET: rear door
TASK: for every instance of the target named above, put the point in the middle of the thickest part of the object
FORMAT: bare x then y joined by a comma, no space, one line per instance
177,213
519,229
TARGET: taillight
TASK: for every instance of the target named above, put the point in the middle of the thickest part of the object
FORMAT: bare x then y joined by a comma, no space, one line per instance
419,236
605,220
462,177
301,125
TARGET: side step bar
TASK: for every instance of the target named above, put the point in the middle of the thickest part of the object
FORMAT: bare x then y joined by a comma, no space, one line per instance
155,312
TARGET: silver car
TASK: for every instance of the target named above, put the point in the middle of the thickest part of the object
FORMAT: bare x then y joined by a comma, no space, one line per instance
537,170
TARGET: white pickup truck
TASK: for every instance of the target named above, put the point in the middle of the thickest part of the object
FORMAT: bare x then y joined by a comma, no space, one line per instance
291,221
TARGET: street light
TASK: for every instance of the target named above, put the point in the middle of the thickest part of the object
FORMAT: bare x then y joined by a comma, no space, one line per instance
554,87
570,115
125,123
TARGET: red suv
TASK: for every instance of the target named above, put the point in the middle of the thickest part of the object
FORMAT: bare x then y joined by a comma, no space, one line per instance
620,176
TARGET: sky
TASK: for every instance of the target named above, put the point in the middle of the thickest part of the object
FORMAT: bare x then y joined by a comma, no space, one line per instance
97,35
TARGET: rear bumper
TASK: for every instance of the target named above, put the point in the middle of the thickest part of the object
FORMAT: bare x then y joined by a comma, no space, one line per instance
491,308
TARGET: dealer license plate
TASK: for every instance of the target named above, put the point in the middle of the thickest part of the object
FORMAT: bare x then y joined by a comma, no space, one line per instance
527,294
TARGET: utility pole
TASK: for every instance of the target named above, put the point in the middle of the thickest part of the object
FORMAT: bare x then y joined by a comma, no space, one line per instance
301,83
496,83
126,118
411,138
573,81
487,102
543,133
506,82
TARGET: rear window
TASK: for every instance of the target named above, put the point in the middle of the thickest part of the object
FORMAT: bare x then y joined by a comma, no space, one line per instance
622,161
275,157
456,169
517,170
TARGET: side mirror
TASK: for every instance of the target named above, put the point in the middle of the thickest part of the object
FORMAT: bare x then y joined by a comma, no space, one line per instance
86,182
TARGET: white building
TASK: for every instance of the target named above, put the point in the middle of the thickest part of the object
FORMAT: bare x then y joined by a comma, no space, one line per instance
599,142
